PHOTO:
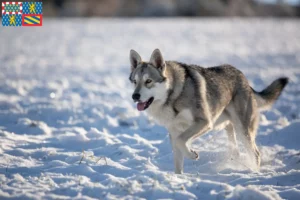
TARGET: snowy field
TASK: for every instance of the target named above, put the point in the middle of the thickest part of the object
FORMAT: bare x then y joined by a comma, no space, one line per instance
69,129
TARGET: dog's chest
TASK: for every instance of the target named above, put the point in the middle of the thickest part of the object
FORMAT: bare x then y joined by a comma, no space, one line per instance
165,116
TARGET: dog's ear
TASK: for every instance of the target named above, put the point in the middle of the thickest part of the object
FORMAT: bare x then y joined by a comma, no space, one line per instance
135,59
157,59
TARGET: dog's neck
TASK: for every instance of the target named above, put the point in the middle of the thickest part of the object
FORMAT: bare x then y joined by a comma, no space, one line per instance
172,83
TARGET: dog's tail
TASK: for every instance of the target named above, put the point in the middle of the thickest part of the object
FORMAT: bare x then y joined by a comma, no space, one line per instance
268,96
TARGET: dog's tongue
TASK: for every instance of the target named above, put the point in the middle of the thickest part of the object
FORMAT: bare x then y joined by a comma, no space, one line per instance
141,106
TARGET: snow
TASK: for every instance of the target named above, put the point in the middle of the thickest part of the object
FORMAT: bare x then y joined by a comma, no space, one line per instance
69,129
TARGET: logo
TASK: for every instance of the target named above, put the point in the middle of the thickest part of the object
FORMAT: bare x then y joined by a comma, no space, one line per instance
22,13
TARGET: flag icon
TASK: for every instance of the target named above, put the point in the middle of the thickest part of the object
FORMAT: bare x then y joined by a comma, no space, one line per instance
22,13
12,8
12,20
33,7
32,20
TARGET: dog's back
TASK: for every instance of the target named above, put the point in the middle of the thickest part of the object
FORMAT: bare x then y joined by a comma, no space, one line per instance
225,81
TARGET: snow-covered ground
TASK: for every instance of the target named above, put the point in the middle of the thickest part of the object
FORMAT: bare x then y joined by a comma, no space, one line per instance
69,129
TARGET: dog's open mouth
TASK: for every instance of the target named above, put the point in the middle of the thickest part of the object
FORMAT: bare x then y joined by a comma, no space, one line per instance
144,105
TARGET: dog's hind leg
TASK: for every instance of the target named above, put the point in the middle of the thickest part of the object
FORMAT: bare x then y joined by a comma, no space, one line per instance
250,141
245,121
232,140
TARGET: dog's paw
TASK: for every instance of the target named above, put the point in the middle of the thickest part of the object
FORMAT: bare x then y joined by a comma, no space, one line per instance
194,155
178,171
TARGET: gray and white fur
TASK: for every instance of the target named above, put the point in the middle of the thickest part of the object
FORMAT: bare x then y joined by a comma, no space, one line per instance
190,100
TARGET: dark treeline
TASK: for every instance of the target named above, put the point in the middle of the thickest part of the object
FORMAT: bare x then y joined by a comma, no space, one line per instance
157,8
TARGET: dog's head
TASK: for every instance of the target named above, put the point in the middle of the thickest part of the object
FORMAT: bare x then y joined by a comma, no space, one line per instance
148,79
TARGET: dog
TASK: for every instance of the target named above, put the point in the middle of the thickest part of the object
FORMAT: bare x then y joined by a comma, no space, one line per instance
190,100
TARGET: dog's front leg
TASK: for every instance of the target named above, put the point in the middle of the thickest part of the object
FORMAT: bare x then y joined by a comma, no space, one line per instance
177,155
198,128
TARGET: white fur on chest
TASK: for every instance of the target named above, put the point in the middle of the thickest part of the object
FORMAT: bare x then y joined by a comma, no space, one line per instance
165,116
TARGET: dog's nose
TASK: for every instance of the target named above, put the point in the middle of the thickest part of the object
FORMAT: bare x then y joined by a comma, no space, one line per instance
136,96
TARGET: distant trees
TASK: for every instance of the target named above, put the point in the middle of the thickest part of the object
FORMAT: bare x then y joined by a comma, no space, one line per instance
149,8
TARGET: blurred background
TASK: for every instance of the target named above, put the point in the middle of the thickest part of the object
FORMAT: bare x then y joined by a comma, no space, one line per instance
171,8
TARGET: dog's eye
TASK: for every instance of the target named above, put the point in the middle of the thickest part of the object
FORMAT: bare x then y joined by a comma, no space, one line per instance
148,81
134,81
